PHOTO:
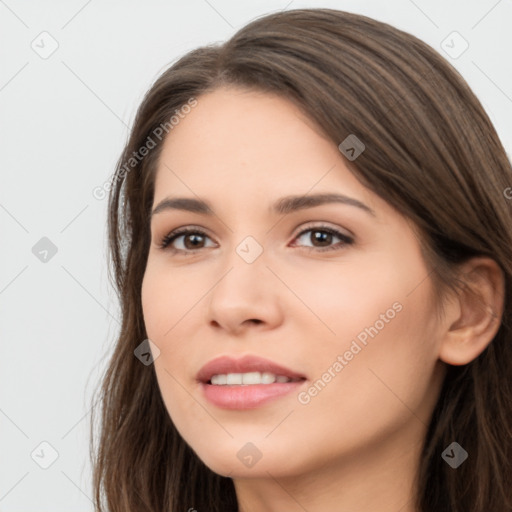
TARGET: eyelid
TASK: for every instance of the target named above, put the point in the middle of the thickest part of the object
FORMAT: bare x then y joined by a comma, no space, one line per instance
320,224
183,230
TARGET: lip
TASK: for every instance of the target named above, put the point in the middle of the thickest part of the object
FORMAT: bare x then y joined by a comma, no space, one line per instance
248,396
248,363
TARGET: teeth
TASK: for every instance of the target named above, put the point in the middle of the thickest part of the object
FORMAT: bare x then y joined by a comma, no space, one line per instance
248,378
219,379
252,378
234,378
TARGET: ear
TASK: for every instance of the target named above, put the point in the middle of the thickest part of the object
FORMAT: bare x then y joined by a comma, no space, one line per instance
473,316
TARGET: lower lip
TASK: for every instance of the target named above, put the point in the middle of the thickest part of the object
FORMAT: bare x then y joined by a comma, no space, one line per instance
248,396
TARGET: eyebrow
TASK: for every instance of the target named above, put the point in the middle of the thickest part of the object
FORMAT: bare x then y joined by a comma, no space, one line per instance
282,206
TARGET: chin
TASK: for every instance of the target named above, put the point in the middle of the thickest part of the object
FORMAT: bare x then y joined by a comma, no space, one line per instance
246,462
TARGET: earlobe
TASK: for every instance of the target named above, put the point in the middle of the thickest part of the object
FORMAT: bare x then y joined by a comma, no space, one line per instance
473,319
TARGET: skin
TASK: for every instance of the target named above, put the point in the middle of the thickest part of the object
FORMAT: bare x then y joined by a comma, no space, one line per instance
356,444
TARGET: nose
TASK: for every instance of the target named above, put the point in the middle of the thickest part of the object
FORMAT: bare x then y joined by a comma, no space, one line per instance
246,295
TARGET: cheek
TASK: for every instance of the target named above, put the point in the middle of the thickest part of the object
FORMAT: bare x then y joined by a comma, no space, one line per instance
154,301
166,297
387,366
171,301
337,301
384,327
163,312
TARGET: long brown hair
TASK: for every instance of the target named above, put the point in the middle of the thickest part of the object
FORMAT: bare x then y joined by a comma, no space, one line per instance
430,151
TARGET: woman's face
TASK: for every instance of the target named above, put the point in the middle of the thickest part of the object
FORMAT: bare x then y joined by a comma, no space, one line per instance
338,292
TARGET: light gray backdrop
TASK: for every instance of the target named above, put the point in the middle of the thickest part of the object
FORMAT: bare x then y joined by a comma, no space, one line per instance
71,77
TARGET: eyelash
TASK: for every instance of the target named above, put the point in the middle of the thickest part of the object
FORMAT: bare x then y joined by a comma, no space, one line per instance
171,237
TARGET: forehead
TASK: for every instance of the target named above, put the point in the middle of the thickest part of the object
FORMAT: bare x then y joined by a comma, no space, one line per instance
244,143
243,124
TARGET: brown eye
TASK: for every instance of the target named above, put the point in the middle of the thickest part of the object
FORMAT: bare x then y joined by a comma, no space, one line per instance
321,237
192,239
324,238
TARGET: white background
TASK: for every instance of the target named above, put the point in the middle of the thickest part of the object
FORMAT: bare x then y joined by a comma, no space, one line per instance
63,123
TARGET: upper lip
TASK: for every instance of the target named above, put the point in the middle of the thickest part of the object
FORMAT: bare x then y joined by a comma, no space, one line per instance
248,363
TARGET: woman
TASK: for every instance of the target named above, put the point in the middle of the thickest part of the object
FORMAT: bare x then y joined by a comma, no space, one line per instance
310,231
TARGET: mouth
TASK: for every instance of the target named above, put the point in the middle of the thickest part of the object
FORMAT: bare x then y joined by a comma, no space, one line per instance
250,379
246,383
249,369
